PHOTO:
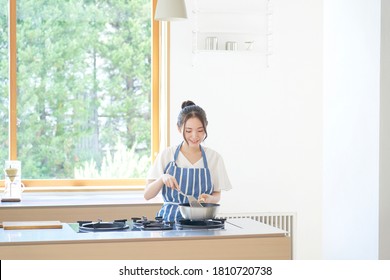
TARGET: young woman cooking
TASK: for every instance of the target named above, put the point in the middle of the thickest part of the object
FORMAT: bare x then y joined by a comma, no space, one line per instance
189,167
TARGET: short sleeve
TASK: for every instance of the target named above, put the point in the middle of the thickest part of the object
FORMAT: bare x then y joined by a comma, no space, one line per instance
219,175
162,160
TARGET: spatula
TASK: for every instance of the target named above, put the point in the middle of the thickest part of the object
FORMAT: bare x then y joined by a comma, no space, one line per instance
192,200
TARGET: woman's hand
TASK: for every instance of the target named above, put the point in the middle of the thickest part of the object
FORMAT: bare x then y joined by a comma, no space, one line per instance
170,181
153,187
204,198
209,198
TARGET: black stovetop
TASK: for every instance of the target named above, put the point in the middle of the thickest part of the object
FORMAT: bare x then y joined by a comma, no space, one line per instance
144,224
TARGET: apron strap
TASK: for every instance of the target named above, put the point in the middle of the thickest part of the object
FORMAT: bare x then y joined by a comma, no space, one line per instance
177,152
204,157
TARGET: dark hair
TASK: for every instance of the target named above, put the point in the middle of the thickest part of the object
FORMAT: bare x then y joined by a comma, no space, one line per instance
190,110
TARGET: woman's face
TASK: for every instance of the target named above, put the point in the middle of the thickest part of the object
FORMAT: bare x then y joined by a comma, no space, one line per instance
193,132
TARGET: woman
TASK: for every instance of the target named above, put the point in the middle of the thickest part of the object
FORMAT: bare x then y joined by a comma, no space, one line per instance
188,167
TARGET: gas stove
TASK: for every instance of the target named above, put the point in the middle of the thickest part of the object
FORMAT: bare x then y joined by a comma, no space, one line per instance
100,226
144,224
157,224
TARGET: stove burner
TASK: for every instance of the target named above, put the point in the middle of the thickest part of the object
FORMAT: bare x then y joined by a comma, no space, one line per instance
88,226
206,224
145,224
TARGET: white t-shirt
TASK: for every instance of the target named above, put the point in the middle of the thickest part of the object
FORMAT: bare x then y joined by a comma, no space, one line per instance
215,163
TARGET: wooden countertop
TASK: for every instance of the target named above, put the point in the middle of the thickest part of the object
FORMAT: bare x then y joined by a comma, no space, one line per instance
233,228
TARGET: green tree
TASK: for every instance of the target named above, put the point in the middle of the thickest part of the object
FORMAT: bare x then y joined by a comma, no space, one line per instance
83,83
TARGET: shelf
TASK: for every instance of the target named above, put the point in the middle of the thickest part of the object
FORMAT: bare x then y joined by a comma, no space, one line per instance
244,41
227,52
228,33
244,22
227,12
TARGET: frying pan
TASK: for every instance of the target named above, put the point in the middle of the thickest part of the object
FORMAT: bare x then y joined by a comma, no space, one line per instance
208,211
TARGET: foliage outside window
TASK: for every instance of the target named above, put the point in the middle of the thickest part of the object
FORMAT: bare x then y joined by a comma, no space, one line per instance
84,91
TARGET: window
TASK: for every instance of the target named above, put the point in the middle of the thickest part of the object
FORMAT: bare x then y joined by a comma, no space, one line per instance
78,90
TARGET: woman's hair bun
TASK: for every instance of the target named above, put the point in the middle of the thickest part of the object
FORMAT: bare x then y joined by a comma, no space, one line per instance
187,103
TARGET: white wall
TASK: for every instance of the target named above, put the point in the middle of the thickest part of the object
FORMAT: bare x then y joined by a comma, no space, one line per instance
266,122
351,129
303,134
384,178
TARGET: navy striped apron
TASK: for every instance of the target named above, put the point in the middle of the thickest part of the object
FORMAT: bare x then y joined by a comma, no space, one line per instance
192,181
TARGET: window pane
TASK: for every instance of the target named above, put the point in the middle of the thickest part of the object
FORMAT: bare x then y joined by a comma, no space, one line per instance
84,88
4,81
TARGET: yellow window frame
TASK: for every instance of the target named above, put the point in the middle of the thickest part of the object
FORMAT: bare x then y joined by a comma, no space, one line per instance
109,184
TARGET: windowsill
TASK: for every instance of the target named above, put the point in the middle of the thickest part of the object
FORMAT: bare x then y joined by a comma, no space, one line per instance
87,198
71,189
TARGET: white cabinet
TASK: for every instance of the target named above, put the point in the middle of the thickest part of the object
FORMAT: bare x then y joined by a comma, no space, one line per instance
231,26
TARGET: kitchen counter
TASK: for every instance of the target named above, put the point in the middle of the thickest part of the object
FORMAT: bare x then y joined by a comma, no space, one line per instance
73,206
56,199
241,239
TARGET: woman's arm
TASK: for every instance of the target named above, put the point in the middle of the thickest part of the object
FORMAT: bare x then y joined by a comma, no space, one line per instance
153,187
